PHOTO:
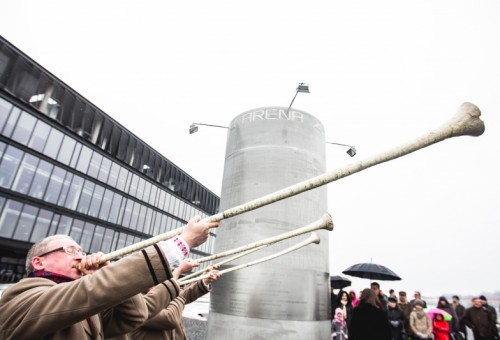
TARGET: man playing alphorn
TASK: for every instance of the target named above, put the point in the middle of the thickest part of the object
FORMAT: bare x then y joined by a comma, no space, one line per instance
165,319
59,301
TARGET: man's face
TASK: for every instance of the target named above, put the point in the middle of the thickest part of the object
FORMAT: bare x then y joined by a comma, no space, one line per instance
454,301
402,298
416,295
375,289
477,303
60,262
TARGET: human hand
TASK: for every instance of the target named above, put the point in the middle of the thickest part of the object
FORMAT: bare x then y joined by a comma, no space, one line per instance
196,231
185,266
90,263
214,276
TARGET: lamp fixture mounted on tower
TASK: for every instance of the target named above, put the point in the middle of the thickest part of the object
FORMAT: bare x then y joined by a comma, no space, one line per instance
352,150
301,87
194,127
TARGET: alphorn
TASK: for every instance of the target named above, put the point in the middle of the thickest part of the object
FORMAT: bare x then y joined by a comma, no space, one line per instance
314,238
218,264
466,122
324,222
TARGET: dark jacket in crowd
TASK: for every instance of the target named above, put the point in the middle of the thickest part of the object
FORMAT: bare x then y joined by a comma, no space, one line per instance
369,323
460,311
454,322
481,321
397,320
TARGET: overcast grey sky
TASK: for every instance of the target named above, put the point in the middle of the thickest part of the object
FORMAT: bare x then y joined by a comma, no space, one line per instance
380,73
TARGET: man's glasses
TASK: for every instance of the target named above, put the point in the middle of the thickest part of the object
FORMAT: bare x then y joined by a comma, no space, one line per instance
70,250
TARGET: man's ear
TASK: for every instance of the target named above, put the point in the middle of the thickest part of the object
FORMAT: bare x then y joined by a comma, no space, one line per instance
37,263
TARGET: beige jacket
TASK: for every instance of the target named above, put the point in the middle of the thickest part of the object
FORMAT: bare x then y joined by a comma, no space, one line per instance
167,323
421,323
96,306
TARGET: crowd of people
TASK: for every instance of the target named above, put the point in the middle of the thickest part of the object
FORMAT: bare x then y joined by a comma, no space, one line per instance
376,316
67,294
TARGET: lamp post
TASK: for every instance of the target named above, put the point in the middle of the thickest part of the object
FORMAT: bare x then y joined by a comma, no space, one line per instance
352,150
194,127
302,87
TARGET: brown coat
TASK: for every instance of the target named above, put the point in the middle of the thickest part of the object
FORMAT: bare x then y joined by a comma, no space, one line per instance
36,308
167,323
481,321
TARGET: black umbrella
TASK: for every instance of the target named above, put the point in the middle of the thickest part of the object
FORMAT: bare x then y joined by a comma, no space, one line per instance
339,282
371,271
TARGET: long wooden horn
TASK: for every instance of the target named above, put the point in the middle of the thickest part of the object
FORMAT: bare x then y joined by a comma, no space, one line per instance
314,238
220,263
323,223
466,122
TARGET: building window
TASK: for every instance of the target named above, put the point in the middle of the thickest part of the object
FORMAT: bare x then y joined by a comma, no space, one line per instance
8,168
9,218
11,122
104,170
135,215
115,207
39,137
5,108
107,241
84,159
133,185
25,224
128,213
95,164
64,226
97,239
122,179
87,232
53,143
42,225
55,185
24,127
74,192
86,197
66,152
142,217
77,231
76,155
54,224
41,179
106,204
95,205
113,174
25,174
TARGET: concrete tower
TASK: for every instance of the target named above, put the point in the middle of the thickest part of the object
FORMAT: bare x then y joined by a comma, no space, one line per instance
269,149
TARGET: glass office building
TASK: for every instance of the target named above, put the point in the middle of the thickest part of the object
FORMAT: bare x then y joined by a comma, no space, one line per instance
68,168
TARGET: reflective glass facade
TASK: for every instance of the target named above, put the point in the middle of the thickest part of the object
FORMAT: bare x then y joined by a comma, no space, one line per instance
68,168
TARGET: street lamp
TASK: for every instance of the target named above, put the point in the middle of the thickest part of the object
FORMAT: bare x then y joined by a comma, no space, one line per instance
302,87
194,127
352,150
